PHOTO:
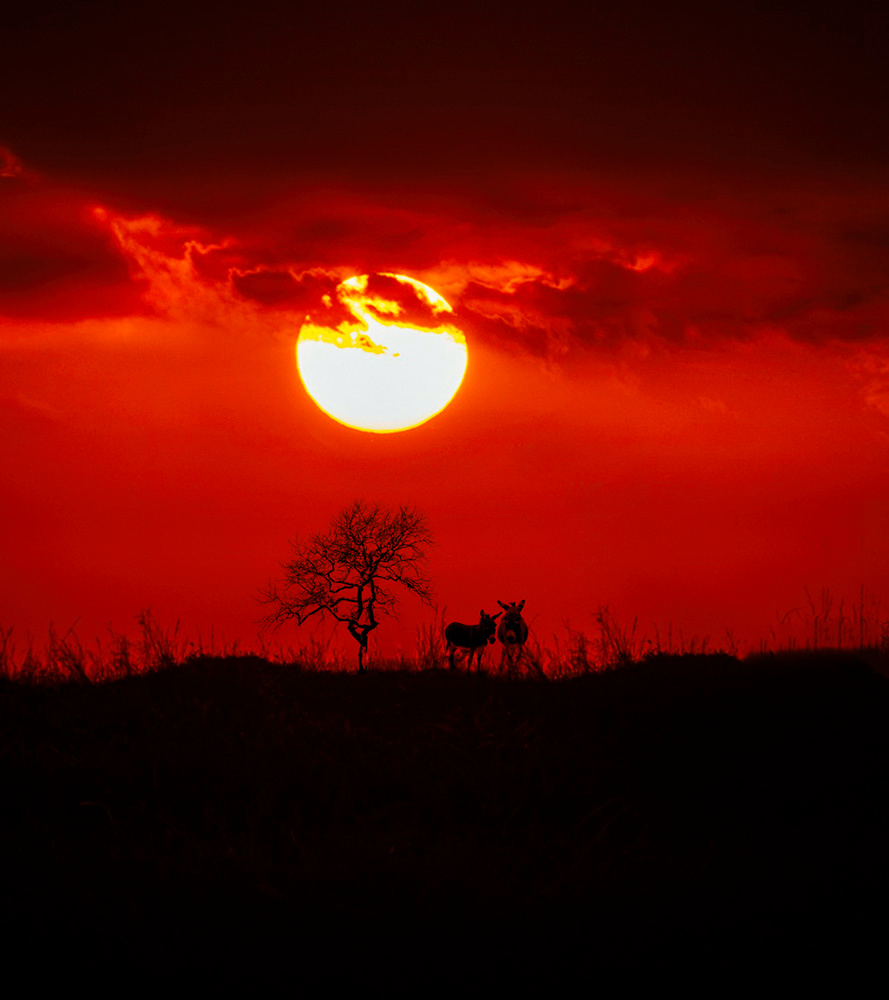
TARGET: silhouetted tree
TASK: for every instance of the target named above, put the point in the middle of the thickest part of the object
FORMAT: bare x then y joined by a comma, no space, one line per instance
351,571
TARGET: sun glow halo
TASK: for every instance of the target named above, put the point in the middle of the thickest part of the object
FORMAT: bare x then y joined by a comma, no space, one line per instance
392,360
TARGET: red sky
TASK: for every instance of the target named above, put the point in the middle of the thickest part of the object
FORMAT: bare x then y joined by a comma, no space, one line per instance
665,233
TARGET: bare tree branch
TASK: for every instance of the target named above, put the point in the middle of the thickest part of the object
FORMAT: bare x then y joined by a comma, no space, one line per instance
351,571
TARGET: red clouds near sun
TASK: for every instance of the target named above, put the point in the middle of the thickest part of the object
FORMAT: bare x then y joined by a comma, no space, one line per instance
57,260
579,272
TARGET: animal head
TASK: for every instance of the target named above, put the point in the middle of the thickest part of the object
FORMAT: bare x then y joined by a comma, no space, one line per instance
487,623
513,610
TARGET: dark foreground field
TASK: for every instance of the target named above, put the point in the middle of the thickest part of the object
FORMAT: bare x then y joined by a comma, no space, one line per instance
234,818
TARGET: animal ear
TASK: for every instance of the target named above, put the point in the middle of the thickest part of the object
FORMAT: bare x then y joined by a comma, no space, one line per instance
502,605
499,613
521,604
482,613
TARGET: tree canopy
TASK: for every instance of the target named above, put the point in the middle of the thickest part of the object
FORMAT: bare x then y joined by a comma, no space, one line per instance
352,572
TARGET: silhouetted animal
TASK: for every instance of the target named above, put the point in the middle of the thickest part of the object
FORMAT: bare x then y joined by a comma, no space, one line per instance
512,632
471,637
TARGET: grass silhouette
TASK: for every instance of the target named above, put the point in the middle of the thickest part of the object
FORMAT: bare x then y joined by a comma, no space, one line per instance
231,816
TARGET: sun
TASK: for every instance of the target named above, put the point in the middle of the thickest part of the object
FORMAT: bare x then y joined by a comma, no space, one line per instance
383,356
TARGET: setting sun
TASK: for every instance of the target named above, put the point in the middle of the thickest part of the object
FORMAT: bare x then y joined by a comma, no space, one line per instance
384,357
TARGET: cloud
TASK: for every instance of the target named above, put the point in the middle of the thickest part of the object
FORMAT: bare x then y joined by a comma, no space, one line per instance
10,165
871,367
575,265
269,287
57,260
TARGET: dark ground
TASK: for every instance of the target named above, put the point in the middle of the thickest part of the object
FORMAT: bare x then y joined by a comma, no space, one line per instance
236,819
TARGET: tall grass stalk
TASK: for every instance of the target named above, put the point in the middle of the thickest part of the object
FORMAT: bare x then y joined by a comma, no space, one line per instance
822,622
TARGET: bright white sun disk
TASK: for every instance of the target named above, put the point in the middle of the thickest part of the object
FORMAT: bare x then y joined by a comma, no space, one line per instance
382,376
